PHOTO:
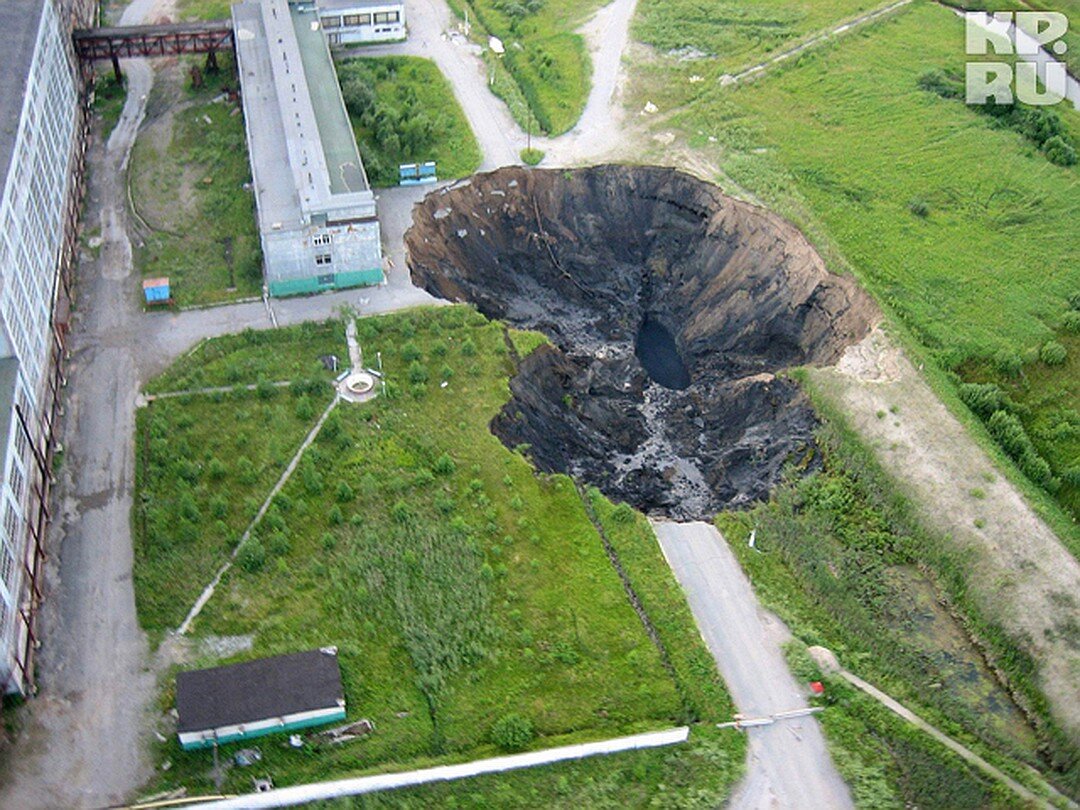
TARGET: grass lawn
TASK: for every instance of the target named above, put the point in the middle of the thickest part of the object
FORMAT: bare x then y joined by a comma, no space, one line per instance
460,586
548,61
403,110
204,9
187,184
713,38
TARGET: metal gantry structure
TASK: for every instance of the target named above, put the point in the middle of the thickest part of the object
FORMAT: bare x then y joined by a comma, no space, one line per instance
135,41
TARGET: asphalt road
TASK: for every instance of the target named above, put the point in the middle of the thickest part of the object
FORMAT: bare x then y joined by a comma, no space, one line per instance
789,765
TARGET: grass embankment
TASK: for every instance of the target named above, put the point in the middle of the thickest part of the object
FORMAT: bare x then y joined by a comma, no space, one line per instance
548,62
843,560
460,587
403,110
204,9
189,169
969,256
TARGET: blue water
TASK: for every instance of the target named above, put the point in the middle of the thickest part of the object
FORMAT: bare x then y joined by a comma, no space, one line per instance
655,348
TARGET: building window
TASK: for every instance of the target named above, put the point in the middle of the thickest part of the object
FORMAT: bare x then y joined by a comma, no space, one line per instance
7,571
386,17
16,483
321,239
357,19
331,22
322,259
11,523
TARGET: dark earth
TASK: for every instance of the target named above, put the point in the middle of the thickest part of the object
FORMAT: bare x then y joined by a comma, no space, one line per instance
673,311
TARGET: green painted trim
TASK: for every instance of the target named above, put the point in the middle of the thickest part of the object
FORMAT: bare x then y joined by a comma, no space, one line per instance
359,278
305,286
293,286
262,732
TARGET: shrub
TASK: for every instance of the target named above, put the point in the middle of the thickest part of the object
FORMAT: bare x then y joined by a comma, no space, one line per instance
278,544
1008,363
216,470
1059,151
512,732
344,493
418,374
265,389
982,398
444,465
1053,353
304,409
251,556
468,347
532,157
410,352
335,516
919,208
1071,322
219,507
1009,433
1071,476
1074,300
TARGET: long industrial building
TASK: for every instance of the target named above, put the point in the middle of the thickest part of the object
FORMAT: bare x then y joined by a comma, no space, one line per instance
316,211
41,151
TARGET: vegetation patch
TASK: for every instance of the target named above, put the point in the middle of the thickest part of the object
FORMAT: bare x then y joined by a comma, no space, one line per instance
472,601
190,185
403,110
713,38
546,59
1039,125
109,98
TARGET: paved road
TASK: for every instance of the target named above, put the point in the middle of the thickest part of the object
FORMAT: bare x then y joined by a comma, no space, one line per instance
789,765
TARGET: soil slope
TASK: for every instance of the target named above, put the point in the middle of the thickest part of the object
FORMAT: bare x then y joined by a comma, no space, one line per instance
586,256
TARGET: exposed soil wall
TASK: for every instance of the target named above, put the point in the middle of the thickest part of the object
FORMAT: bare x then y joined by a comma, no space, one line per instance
586,256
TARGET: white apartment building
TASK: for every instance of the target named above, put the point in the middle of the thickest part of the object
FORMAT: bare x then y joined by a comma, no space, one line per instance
353,22
39,106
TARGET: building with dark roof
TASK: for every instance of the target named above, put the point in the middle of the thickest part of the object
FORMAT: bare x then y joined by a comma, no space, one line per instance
255,698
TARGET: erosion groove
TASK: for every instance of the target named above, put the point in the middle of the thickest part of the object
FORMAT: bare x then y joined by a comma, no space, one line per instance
589,257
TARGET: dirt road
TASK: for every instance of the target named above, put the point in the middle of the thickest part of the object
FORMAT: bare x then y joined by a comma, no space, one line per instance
789,765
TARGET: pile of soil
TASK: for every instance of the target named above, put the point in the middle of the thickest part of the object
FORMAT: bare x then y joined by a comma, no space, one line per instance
618,265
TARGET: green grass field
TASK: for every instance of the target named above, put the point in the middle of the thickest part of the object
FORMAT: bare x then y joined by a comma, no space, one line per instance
546,58
403,110
715,38
459,585
191,194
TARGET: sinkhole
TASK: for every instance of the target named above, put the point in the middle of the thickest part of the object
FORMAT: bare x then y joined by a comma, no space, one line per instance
673,311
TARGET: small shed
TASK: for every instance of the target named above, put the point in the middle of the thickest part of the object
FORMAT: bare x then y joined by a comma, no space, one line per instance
255,698
156,290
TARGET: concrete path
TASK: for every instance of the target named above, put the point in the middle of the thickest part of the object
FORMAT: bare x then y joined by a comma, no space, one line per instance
789,765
